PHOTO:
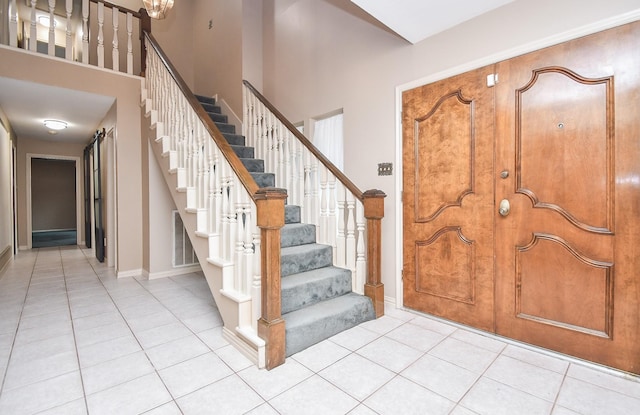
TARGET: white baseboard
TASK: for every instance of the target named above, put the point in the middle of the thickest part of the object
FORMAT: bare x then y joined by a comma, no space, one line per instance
232,118
171,273
23,248
239,344
129,273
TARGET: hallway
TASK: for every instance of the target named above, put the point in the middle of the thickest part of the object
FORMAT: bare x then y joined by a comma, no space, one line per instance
74,339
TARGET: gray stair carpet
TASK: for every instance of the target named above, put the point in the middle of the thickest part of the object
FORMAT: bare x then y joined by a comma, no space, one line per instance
317,301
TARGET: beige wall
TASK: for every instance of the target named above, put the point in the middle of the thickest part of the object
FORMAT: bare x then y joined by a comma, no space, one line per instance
53,194
126,92
6,205
218,51
320,56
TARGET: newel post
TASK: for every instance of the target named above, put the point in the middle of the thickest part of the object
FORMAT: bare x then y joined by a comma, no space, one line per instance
374,212
145,26
270,206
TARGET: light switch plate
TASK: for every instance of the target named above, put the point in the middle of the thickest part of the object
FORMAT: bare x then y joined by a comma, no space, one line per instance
385,169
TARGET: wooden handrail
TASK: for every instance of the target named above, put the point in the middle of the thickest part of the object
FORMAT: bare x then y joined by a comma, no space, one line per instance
305,141
240,170
120,8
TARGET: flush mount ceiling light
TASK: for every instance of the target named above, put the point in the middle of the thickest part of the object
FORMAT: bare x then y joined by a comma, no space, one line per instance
157,9
55,124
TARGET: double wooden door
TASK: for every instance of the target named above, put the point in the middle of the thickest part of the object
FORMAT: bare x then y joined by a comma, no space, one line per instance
522,200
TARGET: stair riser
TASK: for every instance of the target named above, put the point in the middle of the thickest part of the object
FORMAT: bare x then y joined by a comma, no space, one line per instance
318,326
291,214
303,294
297,234
321,256
264,179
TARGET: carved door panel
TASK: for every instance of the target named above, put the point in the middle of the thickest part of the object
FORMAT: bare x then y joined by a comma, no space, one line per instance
568,132
448,199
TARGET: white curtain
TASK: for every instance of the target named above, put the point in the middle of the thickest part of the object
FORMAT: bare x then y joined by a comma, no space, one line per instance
328,137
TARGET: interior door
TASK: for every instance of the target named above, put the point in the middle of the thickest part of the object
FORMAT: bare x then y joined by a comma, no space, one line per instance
448,154
97,199
568,134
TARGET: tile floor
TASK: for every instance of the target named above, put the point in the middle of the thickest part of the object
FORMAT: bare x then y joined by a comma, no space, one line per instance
75,340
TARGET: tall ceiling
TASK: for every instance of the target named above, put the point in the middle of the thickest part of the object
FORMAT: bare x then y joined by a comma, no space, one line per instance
416,20
27,104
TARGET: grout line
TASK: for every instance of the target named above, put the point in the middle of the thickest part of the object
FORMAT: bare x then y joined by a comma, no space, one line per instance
75,342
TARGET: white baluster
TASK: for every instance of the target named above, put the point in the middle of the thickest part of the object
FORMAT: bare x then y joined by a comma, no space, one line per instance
307,211
361,260
13,24
256,290
331,214
249,226
115,52
323,223
52,28
100,35
231,215
85,31
341,241
68,50
239,239
351,232
281,176
315,189
33,34
129,43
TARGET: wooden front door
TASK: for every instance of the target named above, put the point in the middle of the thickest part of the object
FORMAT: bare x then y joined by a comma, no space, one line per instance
448,199
565,133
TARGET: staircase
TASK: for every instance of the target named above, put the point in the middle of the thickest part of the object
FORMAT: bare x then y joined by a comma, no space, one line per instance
317,301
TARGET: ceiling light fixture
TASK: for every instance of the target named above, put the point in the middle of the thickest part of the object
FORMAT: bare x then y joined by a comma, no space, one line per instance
55,124
157,9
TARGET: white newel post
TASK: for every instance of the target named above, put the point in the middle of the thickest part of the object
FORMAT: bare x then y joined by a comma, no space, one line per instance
115,53
85,31
52,28
33,33
129,43
68,50
13,24
100,35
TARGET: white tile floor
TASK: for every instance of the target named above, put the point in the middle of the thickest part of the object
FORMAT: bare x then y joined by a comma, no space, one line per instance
75,340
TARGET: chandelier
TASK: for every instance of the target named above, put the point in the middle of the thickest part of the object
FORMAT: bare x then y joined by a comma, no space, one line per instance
157,9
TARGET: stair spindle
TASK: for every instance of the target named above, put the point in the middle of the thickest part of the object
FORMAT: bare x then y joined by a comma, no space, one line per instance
100,35
68,51
52,28
115,53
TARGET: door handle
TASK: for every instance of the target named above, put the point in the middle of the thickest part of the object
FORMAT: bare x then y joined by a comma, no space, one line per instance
505,207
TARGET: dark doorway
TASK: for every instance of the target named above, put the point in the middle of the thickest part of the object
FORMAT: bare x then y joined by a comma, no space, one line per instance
53,195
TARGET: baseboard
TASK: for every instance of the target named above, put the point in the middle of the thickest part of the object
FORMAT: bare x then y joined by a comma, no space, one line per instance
241,345
23,248
129,273
171,273
391,301
5,257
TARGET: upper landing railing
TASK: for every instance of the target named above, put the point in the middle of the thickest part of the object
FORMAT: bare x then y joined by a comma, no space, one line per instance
92,32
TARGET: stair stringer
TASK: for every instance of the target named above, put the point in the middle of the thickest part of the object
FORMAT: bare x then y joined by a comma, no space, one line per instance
236,309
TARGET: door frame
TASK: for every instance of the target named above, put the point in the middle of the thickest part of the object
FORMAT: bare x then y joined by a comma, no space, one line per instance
457,70
79,210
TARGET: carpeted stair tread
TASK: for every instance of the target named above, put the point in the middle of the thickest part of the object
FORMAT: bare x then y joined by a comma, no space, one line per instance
235,140
306,288
242,151
311,325
253,165
218,118
291,214
205,100
293,234
302,258
264,179
226,128
211,108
